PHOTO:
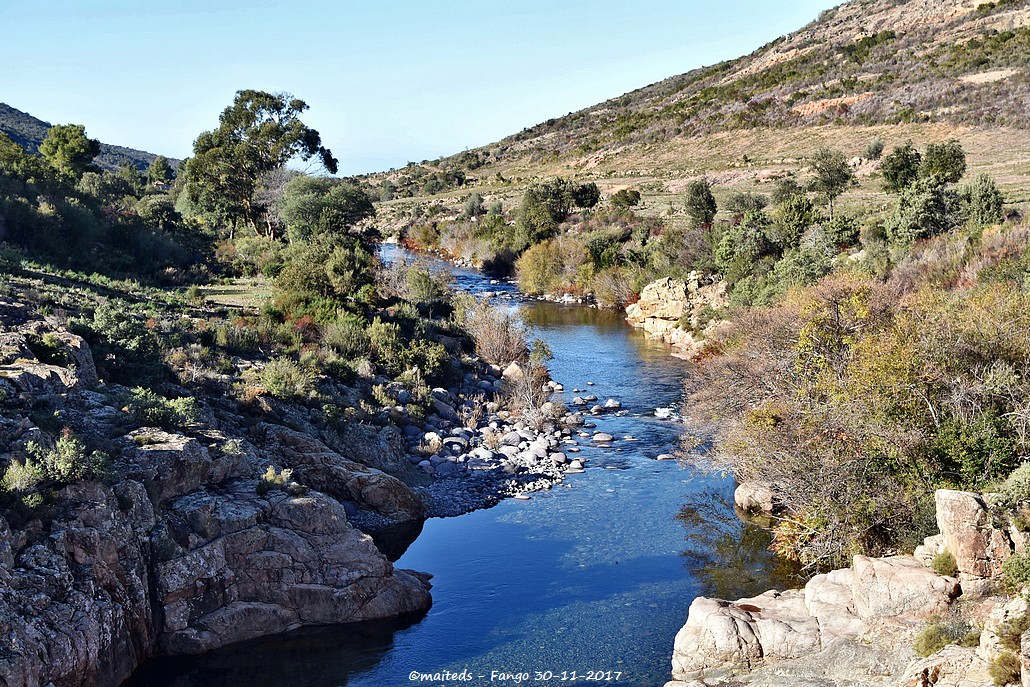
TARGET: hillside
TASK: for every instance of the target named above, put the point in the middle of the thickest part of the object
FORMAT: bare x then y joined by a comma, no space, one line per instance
959,62
29,132
896,70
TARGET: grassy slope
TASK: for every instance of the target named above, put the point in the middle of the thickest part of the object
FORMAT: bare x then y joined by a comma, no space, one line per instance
652,157
661,171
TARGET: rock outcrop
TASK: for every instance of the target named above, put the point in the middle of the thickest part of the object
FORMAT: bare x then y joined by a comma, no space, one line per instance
252,566
968,532
856,626
682,313
755,497
183,549
721,639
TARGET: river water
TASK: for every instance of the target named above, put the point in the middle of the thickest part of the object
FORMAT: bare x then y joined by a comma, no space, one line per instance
596,574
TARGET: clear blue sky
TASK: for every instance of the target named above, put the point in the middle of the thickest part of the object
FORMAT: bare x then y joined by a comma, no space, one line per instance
387,81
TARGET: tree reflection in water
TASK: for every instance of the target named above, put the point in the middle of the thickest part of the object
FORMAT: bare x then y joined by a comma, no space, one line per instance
730,558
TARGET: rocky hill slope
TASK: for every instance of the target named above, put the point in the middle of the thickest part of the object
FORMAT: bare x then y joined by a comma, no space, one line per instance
962,62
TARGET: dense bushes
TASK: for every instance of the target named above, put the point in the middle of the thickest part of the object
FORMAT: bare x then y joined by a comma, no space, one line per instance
30,481
860,398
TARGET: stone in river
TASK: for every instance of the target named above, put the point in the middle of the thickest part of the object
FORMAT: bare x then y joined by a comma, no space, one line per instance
603,437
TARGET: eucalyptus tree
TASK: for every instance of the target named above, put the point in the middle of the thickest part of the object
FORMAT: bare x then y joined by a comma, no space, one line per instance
258,133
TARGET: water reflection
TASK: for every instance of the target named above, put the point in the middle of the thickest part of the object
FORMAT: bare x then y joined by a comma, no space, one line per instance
729,557
319,657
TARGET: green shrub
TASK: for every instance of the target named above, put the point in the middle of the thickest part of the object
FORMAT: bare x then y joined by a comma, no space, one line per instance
977,451
983,201
47,348
1016,486
923,210
384,340
150,408
1010,631
937,635
423,288
945,564
931,639
279,479
347,337
1005,669
842,231
429,357
539,270
874,150
285,379
126,351
68,460
21,477
625,198
235,337
1015,572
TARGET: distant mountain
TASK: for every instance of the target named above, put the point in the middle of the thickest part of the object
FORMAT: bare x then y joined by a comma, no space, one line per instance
29,132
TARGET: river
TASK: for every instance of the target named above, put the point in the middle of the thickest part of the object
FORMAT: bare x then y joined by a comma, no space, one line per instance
596,574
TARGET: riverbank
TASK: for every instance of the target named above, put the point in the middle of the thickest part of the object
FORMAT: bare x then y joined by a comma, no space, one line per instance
229,503
589,574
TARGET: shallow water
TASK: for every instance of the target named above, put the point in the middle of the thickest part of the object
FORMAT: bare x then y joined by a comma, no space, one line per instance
595,575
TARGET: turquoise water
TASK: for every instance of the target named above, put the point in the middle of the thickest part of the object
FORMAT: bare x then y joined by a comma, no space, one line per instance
595,575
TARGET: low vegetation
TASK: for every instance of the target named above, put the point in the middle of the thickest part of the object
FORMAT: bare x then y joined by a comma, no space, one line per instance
339,338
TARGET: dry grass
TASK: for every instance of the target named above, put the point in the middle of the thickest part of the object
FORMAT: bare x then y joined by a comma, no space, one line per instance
244,293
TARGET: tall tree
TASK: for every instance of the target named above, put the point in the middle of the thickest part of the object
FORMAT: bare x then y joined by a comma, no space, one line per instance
69,151
833,174
700,202
259,132
900,168
945,161
160,170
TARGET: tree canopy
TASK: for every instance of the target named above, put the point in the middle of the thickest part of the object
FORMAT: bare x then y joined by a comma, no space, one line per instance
833,174
69,151
701,207
259,132
900,168
160,170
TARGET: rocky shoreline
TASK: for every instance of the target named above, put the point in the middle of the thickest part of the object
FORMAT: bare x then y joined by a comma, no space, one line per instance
244,522
861,626
684,314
